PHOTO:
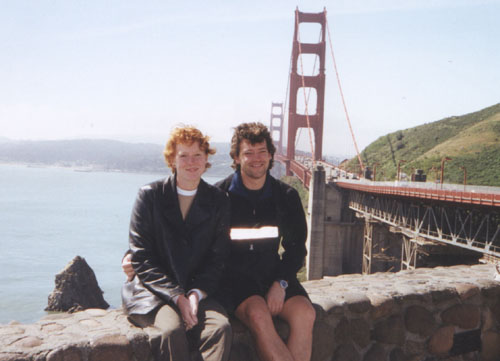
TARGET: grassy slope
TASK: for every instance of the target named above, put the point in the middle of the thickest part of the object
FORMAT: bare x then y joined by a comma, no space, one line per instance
471,140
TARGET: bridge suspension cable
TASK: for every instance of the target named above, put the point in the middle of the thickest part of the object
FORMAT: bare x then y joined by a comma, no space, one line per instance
342,96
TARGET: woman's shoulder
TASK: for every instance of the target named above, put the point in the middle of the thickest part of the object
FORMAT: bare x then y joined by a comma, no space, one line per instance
218,194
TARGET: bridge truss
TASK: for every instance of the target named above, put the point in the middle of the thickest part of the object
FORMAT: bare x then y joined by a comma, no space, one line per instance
475,228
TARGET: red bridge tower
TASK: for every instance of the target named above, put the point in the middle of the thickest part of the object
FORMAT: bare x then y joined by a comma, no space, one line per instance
298,81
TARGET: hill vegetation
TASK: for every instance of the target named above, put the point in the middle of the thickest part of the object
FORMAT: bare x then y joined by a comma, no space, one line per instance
471,141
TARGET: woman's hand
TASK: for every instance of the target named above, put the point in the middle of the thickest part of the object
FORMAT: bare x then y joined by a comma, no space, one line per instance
189,308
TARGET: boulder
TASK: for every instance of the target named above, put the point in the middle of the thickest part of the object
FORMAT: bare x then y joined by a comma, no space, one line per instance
76,289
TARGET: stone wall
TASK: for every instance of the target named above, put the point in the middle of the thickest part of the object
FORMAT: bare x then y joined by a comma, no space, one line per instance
422,315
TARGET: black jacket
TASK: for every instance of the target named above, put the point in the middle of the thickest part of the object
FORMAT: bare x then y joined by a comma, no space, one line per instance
170,255
278,204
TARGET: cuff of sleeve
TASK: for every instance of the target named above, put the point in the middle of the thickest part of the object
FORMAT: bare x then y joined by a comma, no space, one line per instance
175,298
201,294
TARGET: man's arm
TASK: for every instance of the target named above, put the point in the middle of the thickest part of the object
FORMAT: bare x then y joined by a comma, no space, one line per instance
127,266
294,236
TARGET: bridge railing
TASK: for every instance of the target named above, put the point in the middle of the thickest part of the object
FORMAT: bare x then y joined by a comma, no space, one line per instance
429,185
489,196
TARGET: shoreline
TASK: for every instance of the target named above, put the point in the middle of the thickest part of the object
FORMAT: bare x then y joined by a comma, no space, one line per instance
96,169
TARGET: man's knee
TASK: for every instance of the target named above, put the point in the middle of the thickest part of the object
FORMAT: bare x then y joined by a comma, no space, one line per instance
309,314
257,316
300,312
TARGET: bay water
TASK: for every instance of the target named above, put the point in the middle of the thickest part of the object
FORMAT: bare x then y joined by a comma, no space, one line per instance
50,215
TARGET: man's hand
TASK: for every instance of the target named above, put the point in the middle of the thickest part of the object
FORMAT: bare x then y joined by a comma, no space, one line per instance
127,267
186,307
275,298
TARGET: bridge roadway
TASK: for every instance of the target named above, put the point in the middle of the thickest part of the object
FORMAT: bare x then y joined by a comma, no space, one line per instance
458,215
424,212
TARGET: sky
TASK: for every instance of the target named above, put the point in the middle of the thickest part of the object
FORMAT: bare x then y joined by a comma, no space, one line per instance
132,70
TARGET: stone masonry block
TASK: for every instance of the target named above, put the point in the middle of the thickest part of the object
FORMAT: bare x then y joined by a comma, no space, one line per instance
444,295
490,346
441,341
487,320
467,290
420,321
111,348
464,316
390,331
360,332
376,353
358,302
346,352
382,306
140,347
66,354
343,331
323,334
495,309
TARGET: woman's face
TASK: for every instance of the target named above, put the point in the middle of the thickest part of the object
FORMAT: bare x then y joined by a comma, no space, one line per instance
190,163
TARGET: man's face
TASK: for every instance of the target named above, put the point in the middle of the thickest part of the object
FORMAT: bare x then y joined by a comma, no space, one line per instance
253,159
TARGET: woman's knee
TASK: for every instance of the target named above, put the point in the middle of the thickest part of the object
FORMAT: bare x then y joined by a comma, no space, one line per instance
223,329
169,321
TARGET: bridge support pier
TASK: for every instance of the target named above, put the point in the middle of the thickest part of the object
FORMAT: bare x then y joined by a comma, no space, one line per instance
316,229
334,240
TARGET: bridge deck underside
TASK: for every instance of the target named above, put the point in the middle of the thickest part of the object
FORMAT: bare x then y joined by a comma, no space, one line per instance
476,229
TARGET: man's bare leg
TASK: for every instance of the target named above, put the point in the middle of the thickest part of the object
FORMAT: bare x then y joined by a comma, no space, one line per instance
254,313
299,313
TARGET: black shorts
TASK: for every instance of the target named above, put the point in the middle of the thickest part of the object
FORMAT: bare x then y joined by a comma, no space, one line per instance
232,294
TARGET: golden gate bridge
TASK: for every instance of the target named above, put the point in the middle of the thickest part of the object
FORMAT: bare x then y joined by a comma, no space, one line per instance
461,216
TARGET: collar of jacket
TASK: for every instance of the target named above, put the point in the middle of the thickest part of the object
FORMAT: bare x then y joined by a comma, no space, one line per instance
200,209
237,186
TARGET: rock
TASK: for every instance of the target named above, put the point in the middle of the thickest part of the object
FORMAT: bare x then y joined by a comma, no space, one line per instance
76,289
420,321
442,340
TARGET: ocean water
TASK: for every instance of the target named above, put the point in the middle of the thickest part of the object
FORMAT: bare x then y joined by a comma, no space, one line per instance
50,215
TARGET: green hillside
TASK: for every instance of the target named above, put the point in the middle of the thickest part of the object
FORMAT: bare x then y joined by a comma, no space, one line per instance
471,141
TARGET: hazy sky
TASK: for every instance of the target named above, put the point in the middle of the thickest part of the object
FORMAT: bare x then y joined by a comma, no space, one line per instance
131,70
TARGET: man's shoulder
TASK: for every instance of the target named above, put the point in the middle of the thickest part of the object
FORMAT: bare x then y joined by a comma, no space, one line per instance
281,187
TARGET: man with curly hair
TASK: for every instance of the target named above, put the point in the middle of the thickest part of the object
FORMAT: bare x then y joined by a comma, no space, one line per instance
262,283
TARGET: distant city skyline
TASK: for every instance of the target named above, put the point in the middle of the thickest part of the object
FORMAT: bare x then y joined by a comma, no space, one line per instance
131,71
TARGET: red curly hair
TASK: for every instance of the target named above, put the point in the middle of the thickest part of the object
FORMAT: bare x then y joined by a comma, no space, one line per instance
185,134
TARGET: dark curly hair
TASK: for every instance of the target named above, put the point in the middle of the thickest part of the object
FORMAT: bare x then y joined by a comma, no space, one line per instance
254,133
